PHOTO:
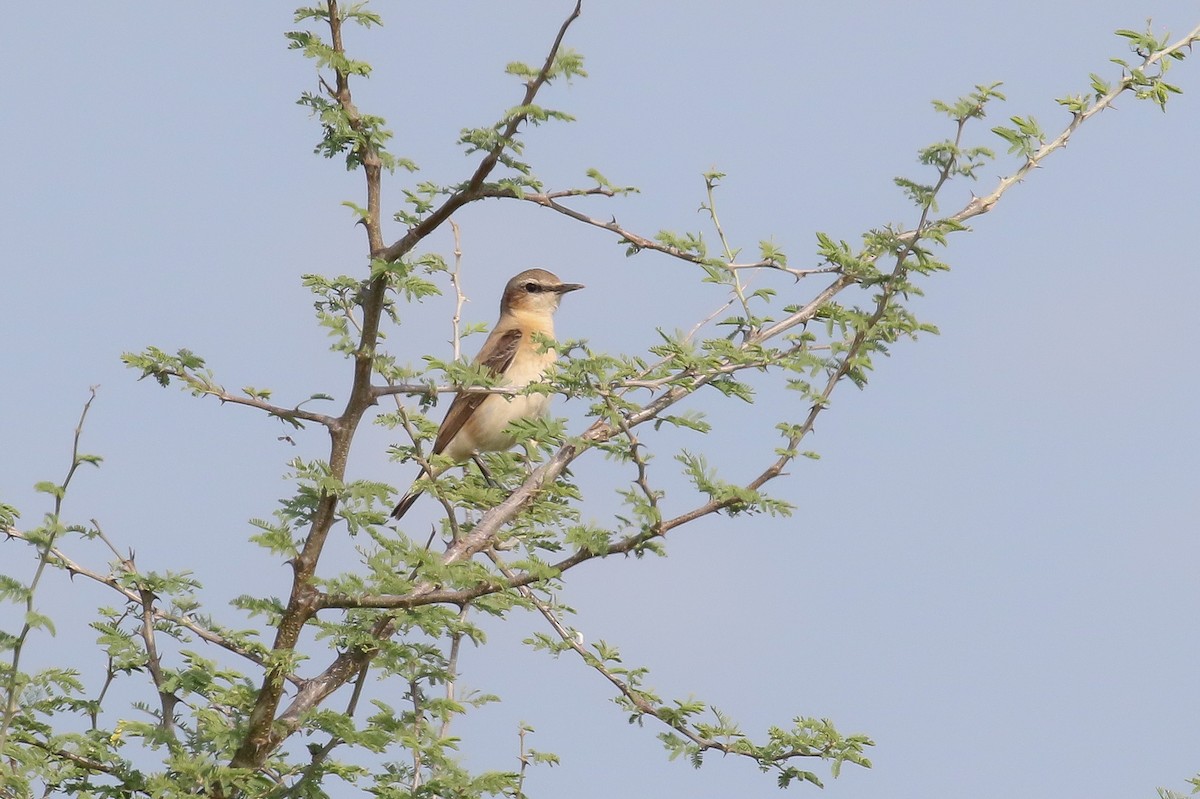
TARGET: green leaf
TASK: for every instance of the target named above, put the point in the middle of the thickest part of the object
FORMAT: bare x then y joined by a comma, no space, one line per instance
38,621
47,487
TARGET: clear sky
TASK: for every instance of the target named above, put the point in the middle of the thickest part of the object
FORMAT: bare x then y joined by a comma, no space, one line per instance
992,568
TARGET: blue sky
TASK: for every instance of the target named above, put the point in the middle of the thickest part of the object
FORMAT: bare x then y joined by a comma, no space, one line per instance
991,569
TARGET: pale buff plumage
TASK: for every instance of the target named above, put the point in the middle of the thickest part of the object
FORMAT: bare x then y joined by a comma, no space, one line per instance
476,421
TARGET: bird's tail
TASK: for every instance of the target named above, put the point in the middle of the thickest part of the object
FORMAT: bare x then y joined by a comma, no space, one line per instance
412,496
404,504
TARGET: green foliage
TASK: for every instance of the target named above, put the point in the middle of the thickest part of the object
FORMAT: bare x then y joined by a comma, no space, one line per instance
736,499
1147,79
301,715
1025,138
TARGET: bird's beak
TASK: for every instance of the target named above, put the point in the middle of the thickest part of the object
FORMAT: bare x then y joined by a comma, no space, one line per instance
563,288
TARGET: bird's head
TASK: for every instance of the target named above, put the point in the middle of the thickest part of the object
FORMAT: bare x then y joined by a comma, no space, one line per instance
534,291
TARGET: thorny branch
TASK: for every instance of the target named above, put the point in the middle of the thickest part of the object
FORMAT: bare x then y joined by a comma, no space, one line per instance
266,730
167,700
459,297
626,236
485,531
11,689
134,597
474,189
202,385
981,205
635,697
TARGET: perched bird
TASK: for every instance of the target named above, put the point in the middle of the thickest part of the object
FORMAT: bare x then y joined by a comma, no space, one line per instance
476,421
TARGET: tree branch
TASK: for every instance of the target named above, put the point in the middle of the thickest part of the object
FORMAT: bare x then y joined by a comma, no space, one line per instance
132,596
265,736
981,205
44,555
474,188
265,732
644,703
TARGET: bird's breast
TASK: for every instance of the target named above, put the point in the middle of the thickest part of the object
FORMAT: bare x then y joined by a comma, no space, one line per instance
484,430
528,365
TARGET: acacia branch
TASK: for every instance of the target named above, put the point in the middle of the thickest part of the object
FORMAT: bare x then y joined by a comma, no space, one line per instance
289,415
981,205
474,187
261,736
459,297
643,703
167,700
265,736
571,640
265,731
366,153
134,597
550,200
861,336
91,764
44,556
286,414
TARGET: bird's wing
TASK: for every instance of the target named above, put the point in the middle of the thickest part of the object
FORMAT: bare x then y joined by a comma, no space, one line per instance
496,356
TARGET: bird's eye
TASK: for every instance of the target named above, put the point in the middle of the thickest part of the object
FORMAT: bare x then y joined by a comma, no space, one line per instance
533,288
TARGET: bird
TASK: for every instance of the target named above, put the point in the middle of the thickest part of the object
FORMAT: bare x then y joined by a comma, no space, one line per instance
476,421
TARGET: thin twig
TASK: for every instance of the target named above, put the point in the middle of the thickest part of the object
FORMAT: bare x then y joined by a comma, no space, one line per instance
459,298
523,760
414,693
452,666
111,581
710,184
635,697
290,415
981,205
635,240
44,557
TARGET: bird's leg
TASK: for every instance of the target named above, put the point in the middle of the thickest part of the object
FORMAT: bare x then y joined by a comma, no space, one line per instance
483,469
